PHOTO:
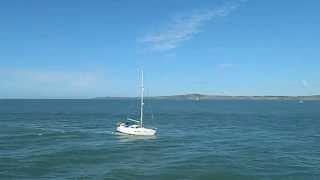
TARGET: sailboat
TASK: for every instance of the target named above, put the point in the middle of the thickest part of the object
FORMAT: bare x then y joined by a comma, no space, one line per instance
136,127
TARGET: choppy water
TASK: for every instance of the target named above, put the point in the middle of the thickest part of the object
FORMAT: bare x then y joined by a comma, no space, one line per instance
75,139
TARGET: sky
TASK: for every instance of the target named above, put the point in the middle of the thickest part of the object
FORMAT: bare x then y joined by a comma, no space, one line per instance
84,49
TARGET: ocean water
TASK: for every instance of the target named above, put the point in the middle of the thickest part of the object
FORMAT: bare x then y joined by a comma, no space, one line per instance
76,139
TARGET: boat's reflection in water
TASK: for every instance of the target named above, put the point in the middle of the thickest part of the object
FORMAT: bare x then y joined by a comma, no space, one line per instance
123,138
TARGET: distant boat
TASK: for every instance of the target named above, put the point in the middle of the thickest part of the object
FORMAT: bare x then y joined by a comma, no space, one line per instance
301,102
135,127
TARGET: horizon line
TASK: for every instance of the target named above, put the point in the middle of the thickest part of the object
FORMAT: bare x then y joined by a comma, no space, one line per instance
190,94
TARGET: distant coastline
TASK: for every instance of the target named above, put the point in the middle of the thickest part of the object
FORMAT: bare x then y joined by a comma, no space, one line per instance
193,97
196,97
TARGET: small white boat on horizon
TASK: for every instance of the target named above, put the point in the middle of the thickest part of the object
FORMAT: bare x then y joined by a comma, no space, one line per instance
135,127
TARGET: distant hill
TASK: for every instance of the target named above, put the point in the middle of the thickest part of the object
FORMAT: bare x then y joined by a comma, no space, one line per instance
219,97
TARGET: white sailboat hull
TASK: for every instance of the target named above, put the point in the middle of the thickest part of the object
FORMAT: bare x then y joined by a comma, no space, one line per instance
135,130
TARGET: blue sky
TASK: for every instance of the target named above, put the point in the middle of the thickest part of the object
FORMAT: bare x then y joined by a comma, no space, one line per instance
80,49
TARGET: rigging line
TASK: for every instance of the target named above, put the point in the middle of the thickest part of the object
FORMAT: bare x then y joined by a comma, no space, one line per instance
150,106
133,107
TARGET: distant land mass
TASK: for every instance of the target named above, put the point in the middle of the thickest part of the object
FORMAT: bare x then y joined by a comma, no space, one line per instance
197,97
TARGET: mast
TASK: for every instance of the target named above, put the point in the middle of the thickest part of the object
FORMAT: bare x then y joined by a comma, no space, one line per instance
142,103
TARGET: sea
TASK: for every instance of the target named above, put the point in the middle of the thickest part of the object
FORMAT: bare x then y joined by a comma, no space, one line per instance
206,139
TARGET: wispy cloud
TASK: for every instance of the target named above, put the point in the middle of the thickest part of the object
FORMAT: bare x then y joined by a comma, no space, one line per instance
41,83
224,66
183,27
305,83
308,87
